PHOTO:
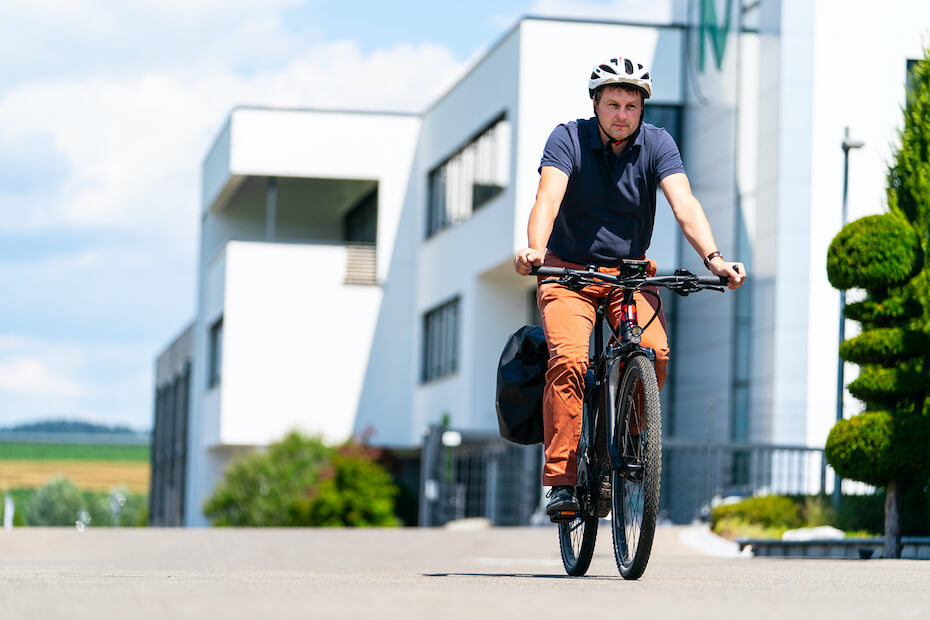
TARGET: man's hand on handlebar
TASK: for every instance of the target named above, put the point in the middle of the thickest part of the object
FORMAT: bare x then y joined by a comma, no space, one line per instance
526,259
734,272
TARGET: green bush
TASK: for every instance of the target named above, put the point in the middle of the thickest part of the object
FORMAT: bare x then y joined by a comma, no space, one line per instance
300,481
885,345
261,489
353,491
874,252
858,447
887,386
767,511
888,311
861,513
133,511
56,503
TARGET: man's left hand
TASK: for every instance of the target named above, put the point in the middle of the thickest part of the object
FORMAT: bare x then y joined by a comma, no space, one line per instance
734,272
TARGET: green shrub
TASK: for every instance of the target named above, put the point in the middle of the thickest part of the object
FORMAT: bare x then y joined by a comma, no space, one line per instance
861,513
133,511
301,482
816,510
56,503
858,447
885,345
887,386
767,511
888,311
874,252
261,489
353,491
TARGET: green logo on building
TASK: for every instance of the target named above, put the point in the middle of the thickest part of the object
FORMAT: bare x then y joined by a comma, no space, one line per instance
718,35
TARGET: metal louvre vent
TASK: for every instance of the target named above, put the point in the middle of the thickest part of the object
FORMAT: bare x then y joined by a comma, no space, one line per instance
360,263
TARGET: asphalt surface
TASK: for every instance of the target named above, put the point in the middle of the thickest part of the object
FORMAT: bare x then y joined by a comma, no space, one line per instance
415,573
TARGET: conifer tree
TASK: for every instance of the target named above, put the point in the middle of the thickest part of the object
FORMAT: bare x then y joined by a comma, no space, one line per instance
889,443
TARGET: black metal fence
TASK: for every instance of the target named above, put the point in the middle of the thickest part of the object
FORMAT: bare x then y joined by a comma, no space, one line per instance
467,475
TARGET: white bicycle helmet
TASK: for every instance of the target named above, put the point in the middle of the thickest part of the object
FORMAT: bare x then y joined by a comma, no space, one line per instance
621,71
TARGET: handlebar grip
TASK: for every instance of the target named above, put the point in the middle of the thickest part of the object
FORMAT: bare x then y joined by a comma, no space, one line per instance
715,280
547,271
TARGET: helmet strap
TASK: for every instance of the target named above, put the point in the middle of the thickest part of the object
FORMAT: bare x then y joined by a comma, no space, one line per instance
610,139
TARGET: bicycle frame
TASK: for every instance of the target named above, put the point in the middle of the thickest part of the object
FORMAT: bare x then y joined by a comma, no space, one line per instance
623,343
619,451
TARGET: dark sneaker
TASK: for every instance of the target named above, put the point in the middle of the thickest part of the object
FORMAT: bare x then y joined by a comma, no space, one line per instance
562,504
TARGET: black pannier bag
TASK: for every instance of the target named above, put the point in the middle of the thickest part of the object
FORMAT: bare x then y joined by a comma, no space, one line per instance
521,377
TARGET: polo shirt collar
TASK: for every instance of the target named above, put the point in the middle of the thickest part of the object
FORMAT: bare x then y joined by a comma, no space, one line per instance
594,136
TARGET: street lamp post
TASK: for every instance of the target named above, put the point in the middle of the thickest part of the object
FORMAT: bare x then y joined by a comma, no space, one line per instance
847,145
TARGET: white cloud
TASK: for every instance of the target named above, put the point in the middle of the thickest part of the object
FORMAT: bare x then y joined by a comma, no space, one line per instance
107,109
133,146
46,378
33,376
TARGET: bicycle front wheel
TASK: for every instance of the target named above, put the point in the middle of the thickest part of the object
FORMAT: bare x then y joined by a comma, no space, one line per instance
576,541
635,480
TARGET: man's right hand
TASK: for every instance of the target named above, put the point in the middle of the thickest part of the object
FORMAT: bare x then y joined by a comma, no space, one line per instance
526,259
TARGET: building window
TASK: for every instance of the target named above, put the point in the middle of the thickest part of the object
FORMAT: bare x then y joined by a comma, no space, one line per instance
469,179
216,353
440,340
668,117
360,224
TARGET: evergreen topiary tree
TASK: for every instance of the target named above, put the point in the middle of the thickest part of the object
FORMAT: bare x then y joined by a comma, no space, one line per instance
889,444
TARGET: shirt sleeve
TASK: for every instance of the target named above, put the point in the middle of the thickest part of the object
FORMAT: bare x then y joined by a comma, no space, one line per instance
667,157
558,151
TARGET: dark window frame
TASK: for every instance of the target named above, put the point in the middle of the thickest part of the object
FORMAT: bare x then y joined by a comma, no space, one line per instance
439,214
440,340
215,358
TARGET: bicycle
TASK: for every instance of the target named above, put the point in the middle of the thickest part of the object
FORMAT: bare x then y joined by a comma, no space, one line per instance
620,448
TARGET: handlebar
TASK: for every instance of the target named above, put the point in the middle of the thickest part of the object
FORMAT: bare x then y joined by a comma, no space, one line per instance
682,282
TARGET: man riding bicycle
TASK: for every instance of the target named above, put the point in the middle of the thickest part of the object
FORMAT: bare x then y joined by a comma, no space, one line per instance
595,206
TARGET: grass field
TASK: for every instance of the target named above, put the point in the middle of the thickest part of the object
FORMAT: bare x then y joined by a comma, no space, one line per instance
94,467
90,475
73,452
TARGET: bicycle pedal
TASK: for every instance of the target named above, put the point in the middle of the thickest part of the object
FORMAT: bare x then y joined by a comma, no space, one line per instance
564,516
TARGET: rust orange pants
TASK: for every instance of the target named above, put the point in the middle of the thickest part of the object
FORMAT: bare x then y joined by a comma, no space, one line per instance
568,318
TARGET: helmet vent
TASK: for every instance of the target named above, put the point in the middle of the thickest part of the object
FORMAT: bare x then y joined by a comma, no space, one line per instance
613,60
645,76
594,75
628,66
608,69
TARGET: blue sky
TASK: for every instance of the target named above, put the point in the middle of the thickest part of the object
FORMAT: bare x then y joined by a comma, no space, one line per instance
106,111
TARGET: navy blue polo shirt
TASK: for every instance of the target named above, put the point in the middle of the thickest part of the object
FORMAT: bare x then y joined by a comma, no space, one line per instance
609,207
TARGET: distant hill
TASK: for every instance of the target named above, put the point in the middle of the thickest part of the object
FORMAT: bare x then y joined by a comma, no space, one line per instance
69,426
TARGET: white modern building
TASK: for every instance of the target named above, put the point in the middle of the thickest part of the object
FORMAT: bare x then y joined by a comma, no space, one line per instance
367,288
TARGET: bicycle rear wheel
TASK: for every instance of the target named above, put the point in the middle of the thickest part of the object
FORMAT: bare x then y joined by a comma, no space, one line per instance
635,484
576,541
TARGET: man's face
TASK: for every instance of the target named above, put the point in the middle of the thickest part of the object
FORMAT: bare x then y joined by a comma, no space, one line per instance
619,111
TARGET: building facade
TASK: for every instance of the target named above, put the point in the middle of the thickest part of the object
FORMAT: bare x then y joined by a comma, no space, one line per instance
368,290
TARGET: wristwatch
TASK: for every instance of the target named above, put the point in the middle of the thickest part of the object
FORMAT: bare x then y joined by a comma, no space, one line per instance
711,257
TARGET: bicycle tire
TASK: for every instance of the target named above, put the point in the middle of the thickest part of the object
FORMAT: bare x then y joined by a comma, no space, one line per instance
576,541
577,537
635,489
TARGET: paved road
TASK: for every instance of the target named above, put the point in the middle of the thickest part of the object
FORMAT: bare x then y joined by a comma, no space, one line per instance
411,573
